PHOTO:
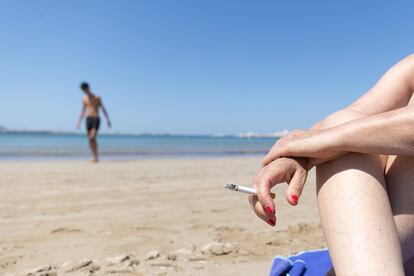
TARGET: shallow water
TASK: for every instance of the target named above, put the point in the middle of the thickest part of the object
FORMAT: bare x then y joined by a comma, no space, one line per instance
72,146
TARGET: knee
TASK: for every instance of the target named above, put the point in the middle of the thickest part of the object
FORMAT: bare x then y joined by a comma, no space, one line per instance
355,160
92,139
340,117
351,165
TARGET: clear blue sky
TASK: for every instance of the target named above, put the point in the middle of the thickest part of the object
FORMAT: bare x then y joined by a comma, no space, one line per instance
195,66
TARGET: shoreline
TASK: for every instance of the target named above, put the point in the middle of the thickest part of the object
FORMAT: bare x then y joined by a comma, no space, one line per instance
126,158
118,147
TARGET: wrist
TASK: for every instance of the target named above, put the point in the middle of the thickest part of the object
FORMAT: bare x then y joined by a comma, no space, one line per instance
336,138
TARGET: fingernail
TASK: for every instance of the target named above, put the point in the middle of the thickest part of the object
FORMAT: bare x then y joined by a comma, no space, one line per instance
271,222
294,199
269,210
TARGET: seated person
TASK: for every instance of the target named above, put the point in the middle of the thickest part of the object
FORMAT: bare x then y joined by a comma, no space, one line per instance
364,158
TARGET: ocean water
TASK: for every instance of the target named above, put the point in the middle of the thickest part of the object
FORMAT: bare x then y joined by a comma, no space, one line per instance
23,146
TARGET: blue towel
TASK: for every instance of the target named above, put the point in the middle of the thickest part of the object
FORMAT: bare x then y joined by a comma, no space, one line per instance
306,263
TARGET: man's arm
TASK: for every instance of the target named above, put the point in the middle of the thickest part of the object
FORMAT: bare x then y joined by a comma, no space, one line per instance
82,114
105,112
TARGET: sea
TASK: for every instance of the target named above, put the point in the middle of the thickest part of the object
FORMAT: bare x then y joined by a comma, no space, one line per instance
47,146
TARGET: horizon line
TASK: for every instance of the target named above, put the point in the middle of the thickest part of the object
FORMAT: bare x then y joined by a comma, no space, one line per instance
276,134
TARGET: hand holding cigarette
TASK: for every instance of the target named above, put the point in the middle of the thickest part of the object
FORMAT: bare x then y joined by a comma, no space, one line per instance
290,170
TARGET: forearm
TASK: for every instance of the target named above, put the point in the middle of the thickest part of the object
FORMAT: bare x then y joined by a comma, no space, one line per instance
106,116
335,119
82,114
389,133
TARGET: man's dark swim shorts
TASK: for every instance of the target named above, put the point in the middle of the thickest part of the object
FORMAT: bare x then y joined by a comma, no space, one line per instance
92,123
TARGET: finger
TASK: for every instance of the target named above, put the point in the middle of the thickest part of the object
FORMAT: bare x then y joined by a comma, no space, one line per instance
295,187
264,197
278,150
263,215
253,201
259,211
272,195
288,149
271,156
268,177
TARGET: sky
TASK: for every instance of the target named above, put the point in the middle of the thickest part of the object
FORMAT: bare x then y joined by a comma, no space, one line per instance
194,67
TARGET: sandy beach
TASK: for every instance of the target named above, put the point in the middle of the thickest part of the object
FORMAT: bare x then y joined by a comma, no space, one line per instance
145,217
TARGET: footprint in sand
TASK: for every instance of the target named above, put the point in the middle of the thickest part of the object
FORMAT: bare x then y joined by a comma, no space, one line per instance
65,230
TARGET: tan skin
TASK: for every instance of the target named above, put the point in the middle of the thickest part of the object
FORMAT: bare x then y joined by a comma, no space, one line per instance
91,104
364,155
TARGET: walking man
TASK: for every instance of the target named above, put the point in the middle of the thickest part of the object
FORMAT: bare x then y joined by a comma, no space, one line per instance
91,106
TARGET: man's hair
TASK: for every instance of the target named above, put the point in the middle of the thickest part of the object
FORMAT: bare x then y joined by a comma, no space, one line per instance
84,85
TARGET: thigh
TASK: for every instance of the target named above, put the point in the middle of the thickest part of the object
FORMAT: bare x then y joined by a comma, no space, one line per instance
399,179
92,133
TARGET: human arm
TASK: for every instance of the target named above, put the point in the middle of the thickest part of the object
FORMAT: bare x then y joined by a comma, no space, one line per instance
392,91
82,114
390,133
105,112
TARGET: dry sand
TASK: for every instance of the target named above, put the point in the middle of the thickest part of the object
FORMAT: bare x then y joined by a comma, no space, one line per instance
147,217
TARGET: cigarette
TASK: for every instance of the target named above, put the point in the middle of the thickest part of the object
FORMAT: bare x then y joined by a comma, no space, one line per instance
242,189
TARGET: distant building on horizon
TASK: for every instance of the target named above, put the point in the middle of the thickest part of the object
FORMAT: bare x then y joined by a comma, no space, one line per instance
277,134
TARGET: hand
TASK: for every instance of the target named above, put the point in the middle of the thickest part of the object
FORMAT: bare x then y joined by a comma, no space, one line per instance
315,144
292,171
109,124
78,125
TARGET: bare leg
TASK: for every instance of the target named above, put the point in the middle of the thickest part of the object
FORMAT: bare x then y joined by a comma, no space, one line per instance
355,211
400,186
356,216
93,144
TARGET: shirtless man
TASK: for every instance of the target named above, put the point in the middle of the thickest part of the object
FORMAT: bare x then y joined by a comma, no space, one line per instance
91,105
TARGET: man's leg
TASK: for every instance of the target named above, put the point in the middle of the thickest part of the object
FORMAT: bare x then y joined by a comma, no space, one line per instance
93,144
400,185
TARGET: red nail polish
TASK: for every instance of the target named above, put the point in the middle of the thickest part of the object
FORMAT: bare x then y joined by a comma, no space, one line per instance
294,199
271,222
269,210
